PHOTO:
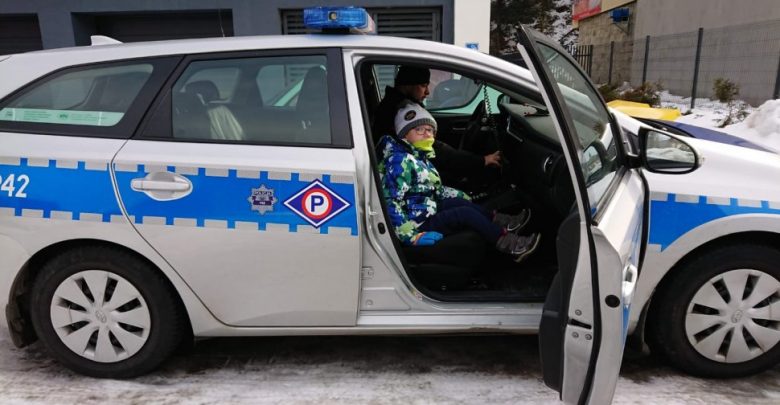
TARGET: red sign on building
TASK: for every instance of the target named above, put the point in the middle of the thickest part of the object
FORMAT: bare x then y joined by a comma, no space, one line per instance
585,8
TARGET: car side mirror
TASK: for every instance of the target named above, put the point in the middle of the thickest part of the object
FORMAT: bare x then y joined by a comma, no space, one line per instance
664,153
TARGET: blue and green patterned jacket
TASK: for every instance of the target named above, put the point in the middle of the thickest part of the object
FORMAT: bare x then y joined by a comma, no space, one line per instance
412,186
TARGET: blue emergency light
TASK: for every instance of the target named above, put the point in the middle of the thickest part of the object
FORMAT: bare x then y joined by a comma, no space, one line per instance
338,19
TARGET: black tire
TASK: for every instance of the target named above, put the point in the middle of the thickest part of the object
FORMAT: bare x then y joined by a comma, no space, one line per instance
162,310
670,305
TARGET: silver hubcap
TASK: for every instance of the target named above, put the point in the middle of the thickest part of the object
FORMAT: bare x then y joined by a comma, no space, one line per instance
735,316
100,316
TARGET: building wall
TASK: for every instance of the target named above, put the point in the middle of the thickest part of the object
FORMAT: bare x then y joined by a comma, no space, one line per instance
622,58
58,28
610,4
600,29
604,6
664,17
472,23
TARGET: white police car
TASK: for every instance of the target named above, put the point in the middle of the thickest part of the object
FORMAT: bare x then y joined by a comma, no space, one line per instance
154,192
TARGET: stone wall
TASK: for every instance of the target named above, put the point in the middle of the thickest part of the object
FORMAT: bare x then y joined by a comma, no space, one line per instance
600,29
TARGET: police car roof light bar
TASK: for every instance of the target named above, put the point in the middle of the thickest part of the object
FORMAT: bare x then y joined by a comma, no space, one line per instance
339,20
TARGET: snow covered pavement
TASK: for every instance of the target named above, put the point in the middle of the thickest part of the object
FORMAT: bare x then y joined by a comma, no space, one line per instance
359,370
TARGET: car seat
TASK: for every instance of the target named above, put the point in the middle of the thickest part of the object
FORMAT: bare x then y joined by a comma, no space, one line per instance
205,89
190,119
222,123
450,264
312,106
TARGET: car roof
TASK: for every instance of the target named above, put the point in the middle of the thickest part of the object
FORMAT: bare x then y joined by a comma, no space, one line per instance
28,66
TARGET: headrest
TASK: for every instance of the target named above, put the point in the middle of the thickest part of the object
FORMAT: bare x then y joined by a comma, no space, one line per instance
205,88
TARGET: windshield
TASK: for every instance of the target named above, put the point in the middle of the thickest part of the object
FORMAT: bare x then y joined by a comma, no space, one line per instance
594,139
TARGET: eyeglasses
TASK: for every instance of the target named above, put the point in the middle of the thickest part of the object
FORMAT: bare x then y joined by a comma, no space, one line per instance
422,129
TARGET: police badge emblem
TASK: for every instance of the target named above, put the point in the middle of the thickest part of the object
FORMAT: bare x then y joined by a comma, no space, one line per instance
262,199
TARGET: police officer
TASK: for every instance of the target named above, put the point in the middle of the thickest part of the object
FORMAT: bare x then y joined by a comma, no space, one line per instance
411,85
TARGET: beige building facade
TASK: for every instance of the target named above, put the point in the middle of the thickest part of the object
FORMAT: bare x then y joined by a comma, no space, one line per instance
599,28
664,17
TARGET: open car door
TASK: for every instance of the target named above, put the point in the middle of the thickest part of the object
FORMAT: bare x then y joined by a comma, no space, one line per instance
584,324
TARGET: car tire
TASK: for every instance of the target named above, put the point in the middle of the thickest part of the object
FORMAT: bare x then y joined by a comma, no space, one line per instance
718,316
104,312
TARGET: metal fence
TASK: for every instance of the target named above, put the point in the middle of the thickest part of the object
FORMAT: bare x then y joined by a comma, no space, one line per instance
583,54
687,64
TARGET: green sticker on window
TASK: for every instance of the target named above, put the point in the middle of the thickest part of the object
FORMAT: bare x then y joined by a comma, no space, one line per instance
67,117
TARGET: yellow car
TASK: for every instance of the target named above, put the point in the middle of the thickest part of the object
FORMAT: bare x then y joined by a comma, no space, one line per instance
643,110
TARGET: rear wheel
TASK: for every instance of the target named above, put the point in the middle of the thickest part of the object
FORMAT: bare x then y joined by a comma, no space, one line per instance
104,312
719,316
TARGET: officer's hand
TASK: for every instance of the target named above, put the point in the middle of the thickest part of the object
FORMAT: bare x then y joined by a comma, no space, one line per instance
493,159
426,238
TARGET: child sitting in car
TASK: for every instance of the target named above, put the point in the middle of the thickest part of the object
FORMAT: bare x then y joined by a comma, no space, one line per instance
422,209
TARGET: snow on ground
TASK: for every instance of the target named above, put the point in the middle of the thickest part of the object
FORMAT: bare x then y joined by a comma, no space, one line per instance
356,370
762,126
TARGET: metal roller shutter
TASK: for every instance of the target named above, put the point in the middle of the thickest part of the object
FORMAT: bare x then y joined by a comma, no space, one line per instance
162,26
19,33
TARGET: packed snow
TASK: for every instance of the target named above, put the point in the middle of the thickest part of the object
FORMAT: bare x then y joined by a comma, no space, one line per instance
762,125
356,370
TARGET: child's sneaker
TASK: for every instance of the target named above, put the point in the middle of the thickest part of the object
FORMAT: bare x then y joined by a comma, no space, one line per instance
518,246
513,223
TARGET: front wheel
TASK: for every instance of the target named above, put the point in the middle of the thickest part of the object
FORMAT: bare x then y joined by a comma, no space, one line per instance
104,312
719,315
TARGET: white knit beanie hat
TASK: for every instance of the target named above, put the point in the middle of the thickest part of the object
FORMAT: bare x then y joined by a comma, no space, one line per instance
412,115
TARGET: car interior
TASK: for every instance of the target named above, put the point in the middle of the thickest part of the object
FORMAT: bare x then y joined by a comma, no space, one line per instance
461,266
241,109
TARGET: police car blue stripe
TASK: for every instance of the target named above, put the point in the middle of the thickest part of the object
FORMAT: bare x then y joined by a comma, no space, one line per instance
49,188
670,218
86,191
226,198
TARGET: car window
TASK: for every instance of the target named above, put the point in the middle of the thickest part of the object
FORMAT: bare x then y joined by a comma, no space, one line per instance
596,144
385,77
94,97
275,99
448,90
281,84
468,109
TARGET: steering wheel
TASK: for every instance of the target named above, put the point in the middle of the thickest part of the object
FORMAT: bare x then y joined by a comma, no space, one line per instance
473,127
483,138
479,121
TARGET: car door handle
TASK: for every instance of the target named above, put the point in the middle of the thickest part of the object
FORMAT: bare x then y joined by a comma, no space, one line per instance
162,186
152,185
630,274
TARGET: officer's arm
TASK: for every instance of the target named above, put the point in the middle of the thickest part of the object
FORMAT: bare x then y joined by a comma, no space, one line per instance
457,163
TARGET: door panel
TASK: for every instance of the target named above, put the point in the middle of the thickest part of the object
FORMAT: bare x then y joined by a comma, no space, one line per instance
252,261
586,315
618,240
254,204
